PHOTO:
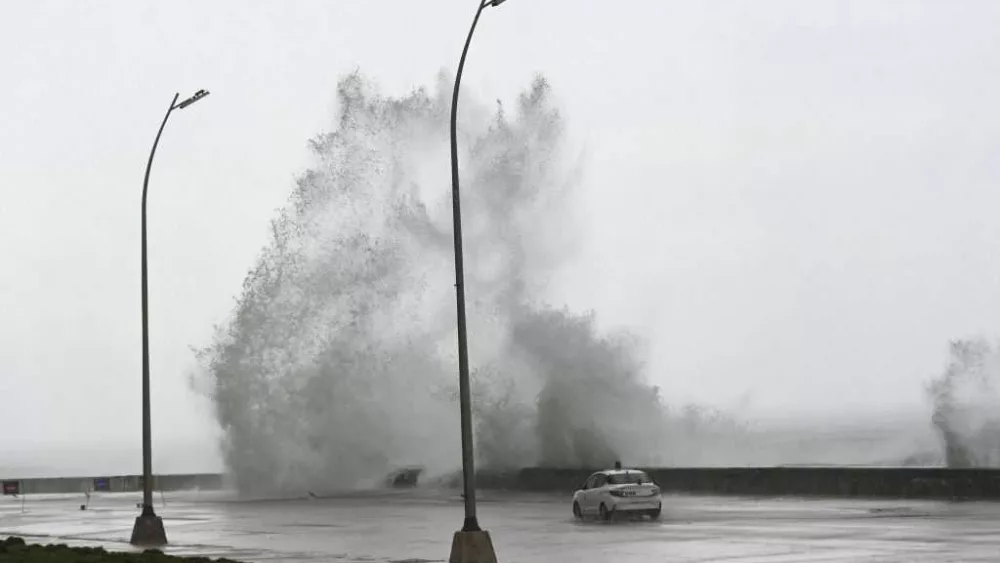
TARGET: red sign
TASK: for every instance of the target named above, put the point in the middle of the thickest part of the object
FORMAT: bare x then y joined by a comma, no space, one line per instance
11,487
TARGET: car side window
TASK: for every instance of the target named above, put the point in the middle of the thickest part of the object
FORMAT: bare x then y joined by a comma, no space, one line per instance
599,481
590,482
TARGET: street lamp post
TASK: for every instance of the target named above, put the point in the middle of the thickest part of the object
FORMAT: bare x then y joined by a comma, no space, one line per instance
148,529
471,544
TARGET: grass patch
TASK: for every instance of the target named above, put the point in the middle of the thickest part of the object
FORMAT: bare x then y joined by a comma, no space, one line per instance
16,550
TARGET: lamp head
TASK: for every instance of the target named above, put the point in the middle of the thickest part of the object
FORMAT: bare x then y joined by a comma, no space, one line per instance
197,96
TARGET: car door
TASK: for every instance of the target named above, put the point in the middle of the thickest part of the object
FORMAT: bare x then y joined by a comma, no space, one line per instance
588,487
595,492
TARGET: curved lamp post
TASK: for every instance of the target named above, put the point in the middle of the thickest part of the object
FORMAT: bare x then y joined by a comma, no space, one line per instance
471,544
148,528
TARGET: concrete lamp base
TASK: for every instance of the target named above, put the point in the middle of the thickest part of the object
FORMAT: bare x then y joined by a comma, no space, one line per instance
148,531
472,547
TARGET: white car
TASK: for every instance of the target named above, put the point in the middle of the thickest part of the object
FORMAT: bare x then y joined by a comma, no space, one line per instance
618,491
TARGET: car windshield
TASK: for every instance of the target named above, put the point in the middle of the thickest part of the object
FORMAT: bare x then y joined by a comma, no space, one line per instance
629,478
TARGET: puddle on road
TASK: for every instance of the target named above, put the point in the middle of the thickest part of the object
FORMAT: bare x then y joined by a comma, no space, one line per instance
897,512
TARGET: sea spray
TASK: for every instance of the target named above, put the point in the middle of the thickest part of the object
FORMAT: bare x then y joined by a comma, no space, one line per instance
966,405
339,361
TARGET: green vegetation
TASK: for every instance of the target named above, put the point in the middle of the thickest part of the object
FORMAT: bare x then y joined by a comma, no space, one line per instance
16,550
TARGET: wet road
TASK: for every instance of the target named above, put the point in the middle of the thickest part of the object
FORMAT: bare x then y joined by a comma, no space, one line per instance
417,527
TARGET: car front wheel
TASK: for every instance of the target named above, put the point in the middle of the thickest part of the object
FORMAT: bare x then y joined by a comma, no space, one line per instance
576,510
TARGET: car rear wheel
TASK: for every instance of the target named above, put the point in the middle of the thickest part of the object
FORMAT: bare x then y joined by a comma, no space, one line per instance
605,514
654,514
576,510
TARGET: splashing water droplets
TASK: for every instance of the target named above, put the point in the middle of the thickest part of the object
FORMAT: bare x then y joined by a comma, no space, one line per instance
339,362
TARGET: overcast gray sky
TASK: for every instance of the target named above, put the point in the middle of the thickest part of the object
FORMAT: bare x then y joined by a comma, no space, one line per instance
794,202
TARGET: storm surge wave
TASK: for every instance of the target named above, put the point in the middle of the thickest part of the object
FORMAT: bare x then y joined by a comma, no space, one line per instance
339,361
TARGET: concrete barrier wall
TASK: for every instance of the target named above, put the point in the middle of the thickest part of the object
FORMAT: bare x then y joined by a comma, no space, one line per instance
889,482
886,482
119,483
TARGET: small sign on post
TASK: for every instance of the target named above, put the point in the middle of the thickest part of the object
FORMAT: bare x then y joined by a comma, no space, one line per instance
102,485
11,488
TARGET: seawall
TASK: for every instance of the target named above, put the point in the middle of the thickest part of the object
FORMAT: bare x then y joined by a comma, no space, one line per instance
113,483
885,482
874,482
